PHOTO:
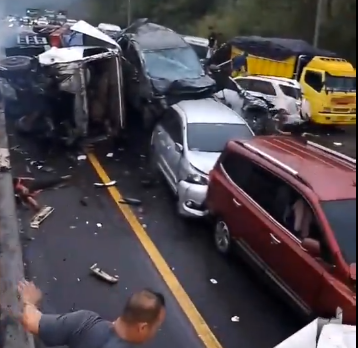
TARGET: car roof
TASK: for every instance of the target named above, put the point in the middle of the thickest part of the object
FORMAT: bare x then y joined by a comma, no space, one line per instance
207,111
151,36
282,80
330,175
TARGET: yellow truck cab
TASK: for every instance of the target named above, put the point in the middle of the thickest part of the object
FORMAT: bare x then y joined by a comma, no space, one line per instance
328,82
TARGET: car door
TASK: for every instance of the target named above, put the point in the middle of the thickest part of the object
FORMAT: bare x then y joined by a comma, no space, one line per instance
175,136
244,217
299,273
166,134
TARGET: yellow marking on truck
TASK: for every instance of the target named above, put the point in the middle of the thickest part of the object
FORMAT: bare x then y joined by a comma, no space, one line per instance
200,326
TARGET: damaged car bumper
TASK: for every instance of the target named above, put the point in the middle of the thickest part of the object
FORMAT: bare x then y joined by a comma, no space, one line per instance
191,200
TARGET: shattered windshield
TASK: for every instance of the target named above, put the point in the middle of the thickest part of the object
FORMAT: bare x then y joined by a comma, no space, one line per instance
173,64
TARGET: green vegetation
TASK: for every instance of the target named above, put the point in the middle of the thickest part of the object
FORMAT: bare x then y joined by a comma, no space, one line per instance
280,18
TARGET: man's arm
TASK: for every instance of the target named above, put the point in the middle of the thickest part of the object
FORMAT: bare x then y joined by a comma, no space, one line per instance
53,330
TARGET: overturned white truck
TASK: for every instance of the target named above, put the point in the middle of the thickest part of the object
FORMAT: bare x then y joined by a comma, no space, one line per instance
323,333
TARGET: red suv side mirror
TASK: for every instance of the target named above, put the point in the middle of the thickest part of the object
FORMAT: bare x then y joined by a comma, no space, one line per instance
312,247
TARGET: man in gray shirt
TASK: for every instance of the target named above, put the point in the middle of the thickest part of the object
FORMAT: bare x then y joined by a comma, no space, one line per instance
142,317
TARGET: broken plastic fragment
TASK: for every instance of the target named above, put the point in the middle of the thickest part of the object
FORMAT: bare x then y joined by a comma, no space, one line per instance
99,225
235,319
82,158
110,155
103,275
337,144
213,281
107,184
130,201
41,216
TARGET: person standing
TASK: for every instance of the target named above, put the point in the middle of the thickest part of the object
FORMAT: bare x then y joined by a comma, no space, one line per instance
142,316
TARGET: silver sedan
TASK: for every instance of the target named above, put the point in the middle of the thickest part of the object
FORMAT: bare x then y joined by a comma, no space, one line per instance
186,144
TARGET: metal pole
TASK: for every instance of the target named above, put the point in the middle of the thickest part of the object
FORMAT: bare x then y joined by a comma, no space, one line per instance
12,334
318,23
129,12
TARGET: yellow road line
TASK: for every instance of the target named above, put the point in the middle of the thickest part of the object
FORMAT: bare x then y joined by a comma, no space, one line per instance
188,307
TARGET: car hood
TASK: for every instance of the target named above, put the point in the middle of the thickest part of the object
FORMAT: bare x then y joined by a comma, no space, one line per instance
203,161
200,86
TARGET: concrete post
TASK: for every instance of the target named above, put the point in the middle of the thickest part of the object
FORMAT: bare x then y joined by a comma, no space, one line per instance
12,334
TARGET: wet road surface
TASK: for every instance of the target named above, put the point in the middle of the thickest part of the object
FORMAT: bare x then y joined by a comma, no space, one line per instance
69,242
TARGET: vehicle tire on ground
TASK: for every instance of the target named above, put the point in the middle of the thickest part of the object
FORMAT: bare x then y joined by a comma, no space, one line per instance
16,63
222,237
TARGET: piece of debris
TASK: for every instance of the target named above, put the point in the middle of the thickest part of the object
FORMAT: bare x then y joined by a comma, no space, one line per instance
110,155
337,144
46,169
41,216
4,160
213,281
81,158
99,225
103,275
148,183
84,201
130,201
108,184
235,319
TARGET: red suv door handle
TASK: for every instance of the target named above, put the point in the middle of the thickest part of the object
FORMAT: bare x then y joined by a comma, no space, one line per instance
236,203
274,239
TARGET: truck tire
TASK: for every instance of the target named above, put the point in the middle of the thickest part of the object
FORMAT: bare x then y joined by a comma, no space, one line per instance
16,63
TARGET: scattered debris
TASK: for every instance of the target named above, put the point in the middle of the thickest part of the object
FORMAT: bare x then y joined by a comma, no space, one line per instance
81,158
235,319
108,184
130,201
41,216
84,201
103,275
4,160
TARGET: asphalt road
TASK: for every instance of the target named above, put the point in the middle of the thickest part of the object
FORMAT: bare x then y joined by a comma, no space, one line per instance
69,242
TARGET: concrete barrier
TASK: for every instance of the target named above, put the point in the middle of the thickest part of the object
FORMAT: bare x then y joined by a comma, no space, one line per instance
12,334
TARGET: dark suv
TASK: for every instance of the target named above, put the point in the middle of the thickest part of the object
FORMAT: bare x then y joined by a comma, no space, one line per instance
290,208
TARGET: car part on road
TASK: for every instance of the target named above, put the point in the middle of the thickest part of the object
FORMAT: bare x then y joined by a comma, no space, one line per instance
131,201
103,275
41,216
107,184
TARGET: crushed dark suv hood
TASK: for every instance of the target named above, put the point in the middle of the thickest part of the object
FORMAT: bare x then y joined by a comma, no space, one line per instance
186,88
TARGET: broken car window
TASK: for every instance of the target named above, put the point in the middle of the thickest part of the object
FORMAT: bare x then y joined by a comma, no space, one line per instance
173,64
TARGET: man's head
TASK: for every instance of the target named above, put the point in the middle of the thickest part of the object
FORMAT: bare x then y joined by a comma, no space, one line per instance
143,315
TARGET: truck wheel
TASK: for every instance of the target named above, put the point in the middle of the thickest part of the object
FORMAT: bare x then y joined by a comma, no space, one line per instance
16,63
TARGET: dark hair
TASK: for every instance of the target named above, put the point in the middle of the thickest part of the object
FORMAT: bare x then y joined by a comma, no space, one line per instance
143,307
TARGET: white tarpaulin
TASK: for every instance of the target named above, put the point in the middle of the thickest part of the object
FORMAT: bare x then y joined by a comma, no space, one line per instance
87,29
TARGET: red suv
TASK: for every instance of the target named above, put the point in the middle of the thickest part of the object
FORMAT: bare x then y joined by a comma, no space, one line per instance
290,207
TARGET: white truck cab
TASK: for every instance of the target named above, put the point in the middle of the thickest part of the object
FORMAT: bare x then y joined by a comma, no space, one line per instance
323,333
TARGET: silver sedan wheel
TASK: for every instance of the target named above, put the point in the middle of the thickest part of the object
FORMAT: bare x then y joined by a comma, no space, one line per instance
222,237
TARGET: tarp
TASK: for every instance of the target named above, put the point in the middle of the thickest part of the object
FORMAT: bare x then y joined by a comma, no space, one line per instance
277,48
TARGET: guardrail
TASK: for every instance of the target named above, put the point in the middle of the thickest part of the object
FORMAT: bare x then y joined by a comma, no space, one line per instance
12,334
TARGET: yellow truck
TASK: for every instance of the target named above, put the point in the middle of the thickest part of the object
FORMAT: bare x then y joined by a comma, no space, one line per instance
328,81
